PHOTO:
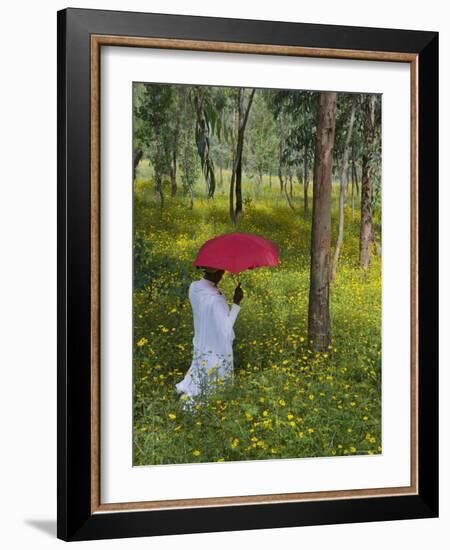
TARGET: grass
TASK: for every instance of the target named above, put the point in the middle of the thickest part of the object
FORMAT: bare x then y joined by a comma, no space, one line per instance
287,401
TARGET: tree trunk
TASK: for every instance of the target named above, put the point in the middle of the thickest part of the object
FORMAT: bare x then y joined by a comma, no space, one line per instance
157,171
342,194
290,185
352,171
305,182
221,176
365,233
173,174
355,171
136,159
236,175
353,197
280,166
159,189
280,177
176,138
238,208
288,197
319,323
270,180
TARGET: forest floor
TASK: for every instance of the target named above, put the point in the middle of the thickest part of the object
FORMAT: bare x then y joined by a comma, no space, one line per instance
287,401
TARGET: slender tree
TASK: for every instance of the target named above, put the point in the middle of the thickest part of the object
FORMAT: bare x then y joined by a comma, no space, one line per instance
343,189
155,131
261,138
137,156
305,178
236,174
188,154
366,231
319,323
178,105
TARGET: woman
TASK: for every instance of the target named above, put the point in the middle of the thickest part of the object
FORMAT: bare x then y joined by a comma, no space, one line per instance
213,337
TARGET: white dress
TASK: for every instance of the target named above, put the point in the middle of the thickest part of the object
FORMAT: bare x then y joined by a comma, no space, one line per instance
212,342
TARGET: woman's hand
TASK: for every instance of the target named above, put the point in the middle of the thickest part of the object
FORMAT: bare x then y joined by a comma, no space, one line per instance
238,294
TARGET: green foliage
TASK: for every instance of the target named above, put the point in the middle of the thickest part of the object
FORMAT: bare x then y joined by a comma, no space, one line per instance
208,103
261,139
154,124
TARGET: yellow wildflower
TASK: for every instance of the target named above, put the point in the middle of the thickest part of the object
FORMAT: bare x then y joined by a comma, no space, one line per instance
142,342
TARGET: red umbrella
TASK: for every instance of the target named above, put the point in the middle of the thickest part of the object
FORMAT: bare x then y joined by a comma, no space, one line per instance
236,252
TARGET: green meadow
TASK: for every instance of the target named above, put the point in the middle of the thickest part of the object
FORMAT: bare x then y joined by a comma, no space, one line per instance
287,401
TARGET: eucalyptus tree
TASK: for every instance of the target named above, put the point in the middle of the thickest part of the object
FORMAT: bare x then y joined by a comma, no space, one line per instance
347,108
235,195
208,103
154,111
177,107
139,143
261,138
354,171
300,109
370,162
319,323
188,156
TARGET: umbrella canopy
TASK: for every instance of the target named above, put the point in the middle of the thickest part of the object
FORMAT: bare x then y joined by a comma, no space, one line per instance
236,252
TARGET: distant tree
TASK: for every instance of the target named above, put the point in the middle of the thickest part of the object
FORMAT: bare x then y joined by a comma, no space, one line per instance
299,111
208,103
178,99
347,109
235,196
154,112
366,236
139,143
319,323
189,160
261,138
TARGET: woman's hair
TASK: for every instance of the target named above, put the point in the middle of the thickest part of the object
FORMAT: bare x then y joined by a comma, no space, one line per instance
209,269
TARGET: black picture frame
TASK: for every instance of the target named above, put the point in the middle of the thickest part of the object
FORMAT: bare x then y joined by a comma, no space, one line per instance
75,518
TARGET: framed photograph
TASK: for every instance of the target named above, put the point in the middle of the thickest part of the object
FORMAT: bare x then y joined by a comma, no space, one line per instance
247,270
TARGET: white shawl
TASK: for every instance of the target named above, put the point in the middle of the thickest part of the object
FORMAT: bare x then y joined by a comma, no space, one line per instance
213,338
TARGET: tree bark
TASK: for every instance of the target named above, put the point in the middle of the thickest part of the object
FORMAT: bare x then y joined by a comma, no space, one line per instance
343,194
319,323
365,233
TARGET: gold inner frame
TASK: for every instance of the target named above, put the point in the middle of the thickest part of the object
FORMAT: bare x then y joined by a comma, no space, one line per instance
175,44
